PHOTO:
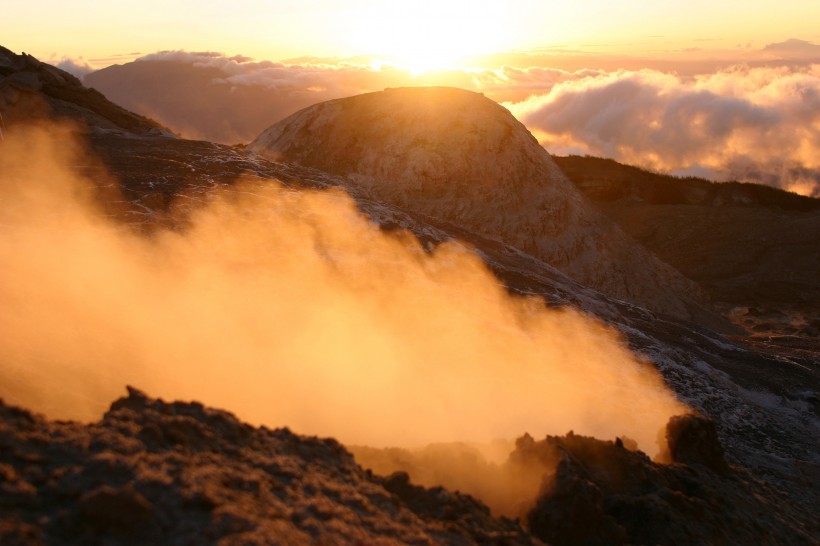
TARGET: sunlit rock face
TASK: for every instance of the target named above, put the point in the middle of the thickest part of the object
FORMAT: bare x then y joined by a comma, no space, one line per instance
460,157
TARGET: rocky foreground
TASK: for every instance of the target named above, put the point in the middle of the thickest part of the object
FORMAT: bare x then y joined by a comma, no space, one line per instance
151,472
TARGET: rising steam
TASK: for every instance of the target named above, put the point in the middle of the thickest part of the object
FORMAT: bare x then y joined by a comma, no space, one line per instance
290,308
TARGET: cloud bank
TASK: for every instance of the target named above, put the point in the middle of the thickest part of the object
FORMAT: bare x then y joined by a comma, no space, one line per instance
753,124
210,96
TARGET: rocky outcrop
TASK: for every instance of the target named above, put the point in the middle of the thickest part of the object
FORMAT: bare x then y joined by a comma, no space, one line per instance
152,472
31,90
461,158
602,493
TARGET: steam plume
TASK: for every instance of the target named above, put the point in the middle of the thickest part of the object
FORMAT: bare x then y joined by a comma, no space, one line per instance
289,308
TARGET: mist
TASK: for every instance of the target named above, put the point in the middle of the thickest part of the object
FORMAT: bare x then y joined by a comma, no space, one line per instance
289,308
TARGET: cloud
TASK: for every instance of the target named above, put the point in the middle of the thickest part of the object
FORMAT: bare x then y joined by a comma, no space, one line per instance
290,308
212,96
755,124
75,66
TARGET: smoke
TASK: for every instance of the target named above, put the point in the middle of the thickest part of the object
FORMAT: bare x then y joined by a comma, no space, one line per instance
752,124
508,482
290,308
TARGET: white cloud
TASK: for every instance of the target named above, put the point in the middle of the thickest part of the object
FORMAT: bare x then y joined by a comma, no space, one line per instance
755,124
78,67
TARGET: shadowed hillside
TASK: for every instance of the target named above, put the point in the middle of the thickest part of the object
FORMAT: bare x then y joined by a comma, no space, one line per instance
30,89
756,249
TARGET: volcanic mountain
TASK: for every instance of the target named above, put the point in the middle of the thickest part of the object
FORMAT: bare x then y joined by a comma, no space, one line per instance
461,158
149,469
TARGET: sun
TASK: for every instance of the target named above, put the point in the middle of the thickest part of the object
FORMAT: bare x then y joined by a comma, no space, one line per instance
427,36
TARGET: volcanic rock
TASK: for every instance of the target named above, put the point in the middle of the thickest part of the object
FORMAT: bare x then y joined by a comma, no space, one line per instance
460,157
602,493
152,472
692,439
31,90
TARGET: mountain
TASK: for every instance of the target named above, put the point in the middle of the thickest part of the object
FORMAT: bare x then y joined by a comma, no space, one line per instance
31,89
198,99
765,404
461,158
755,249
113,479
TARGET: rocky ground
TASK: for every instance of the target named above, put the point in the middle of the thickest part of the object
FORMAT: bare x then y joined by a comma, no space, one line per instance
152,472
155,472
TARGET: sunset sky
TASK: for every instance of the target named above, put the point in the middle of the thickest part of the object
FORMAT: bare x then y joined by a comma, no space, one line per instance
420,33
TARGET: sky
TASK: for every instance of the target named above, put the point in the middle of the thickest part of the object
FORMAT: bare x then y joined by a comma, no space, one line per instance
420,32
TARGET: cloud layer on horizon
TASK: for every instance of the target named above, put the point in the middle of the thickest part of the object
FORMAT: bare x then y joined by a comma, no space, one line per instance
753,124
747,122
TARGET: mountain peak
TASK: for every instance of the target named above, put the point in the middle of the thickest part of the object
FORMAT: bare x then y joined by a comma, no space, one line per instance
462,158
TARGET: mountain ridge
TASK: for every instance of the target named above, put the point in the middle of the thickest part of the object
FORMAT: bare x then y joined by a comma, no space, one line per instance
462,158
30,89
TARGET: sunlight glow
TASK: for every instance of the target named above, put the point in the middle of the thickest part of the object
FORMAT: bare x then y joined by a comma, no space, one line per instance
423,37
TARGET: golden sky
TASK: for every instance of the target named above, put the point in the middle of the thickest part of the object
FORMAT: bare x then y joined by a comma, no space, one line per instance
421,33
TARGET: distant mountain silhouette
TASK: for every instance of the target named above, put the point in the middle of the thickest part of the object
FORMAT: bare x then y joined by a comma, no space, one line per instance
196,100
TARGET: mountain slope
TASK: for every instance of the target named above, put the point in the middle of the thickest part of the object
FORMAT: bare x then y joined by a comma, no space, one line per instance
756,249
461,158
30,89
